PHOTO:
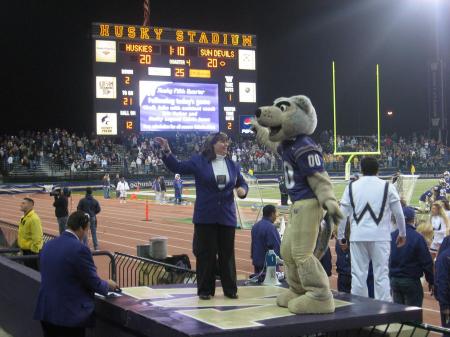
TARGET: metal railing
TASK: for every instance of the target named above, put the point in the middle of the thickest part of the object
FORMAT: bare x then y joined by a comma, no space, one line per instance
128,270
405,329
9,232
133,271
23,258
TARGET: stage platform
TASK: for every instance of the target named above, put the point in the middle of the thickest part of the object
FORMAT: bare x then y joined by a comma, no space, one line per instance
176,311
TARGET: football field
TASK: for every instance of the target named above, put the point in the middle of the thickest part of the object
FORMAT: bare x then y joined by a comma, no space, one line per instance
271,191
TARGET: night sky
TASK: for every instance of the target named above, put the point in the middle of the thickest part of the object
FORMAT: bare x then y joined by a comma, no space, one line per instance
47,55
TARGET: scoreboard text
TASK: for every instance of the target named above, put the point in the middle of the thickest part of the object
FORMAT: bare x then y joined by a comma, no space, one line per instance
165,79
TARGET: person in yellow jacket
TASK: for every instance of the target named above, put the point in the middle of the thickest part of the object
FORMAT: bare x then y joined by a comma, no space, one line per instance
30,237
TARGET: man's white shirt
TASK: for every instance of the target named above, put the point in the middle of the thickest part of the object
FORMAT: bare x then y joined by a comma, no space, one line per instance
122,186
368,193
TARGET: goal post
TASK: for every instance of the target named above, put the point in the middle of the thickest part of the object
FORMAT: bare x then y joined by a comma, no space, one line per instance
352,154
405,185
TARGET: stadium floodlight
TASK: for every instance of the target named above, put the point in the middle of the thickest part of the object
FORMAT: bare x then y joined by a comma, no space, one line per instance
352,153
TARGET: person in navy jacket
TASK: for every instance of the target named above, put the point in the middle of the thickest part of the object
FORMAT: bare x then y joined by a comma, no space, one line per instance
264,237
442,284
69,279
408,264
178,188
216,178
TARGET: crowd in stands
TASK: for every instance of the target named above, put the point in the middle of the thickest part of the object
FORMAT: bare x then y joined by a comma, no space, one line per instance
138,154
397,152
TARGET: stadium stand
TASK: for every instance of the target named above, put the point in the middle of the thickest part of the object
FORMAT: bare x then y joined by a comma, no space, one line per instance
60,153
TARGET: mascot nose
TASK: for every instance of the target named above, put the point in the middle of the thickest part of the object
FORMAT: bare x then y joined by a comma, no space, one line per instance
258,113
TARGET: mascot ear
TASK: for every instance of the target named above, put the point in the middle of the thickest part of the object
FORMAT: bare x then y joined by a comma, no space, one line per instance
302,102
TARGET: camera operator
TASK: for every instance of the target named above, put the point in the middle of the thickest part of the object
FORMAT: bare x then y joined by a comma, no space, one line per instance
61,205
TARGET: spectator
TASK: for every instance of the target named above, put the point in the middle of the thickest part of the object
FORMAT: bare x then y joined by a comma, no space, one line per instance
157,188
30,236
178,188
325,261
216,177
446,206
61,205
122,188
343,267
409,263
442,285
162,182
440,223
106,182
264,237
65,304
89,205
116,183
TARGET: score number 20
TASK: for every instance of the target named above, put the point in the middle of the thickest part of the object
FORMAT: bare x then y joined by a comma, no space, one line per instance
145,59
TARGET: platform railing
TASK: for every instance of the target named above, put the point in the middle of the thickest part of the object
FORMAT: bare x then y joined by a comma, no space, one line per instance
406,329
133,271
12,255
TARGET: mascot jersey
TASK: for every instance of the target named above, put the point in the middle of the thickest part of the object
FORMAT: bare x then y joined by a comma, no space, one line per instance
301,158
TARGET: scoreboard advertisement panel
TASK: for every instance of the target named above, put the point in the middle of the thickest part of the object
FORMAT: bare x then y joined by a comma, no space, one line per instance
169,79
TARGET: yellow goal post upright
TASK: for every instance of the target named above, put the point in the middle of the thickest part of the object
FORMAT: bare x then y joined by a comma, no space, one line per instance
353,154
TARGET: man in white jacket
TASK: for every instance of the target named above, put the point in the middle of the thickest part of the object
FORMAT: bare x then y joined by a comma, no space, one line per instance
369,202
122,188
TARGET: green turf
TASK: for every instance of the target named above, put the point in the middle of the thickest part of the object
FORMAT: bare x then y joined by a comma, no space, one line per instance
272,192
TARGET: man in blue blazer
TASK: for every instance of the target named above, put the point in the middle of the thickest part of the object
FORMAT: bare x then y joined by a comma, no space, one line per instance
69,279
216,178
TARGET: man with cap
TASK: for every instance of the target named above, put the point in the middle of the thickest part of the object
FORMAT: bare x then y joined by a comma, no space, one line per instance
409,263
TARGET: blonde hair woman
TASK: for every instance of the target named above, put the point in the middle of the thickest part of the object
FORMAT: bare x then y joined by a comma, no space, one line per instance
440,223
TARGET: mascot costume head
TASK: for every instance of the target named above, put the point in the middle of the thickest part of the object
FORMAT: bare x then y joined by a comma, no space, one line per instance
284,127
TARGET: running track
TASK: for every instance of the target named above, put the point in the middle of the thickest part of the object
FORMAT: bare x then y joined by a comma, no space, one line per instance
121,227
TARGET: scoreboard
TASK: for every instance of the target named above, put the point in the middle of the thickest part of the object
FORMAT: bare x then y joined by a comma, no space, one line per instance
154,79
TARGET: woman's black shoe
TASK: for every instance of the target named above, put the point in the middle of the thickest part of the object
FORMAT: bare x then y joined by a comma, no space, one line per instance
232,296
204,297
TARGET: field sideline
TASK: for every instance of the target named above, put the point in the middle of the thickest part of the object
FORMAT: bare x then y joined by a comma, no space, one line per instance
270,192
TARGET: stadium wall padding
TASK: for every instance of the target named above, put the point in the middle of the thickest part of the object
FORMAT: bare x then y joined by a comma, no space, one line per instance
19,287
144,182
77,186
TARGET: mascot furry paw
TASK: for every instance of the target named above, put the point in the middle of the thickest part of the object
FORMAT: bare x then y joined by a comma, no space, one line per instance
284,127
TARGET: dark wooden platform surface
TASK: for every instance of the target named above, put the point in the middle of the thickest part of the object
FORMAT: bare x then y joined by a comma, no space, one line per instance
176,311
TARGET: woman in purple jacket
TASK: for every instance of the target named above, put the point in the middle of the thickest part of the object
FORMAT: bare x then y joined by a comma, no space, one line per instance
216,178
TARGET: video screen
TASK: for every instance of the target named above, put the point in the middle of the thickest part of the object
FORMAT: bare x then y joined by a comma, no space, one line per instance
178,106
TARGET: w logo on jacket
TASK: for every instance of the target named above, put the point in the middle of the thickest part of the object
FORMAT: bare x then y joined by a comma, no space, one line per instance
367,208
